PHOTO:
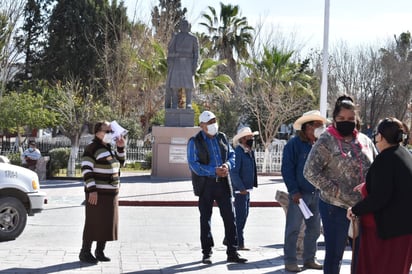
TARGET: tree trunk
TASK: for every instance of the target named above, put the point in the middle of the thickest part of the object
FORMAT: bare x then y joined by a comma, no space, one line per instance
265,159
71,165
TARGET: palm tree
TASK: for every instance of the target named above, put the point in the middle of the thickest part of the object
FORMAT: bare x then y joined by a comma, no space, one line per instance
277,90
230,35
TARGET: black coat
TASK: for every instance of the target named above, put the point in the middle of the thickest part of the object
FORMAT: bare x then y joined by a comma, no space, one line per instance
389,186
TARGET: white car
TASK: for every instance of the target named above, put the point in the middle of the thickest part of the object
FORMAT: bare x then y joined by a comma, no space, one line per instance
20,196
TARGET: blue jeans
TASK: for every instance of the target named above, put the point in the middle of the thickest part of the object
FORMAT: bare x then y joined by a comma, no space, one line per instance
335,230
242,203
294,218
219,192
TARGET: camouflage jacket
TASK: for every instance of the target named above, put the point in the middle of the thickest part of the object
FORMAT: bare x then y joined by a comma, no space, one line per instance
335,166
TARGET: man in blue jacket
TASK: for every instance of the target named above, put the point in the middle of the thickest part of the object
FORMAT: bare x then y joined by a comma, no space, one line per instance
244,178
301,191
210,158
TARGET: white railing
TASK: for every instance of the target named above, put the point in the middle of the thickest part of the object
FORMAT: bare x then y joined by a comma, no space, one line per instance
139,154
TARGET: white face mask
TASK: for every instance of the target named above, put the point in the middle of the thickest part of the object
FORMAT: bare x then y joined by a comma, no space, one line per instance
212,129
318,131
107,138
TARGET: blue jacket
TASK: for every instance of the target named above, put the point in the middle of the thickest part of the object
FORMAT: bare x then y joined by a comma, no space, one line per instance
293,161
244,174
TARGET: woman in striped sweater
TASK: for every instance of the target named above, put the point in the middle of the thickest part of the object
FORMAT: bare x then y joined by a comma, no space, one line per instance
101,173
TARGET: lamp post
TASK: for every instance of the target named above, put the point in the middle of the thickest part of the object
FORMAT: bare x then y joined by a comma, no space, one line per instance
325,57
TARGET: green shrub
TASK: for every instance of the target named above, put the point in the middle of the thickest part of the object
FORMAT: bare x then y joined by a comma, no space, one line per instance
59,158
147,161
15,158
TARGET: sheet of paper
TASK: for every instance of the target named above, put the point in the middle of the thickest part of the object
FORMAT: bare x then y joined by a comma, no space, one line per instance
304,208
118,130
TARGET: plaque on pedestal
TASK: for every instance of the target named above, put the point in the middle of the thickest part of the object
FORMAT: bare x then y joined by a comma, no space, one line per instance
170,151
179,117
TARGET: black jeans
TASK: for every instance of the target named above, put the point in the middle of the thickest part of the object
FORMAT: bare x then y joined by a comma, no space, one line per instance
219,192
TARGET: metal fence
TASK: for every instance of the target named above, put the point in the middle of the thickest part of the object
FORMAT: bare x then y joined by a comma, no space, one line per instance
137,152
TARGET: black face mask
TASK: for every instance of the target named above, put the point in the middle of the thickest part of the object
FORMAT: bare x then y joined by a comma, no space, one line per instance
345,128
249,142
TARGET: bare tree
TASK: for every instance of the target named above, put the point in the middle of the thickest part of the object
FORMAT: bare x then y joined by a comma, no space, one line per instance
75,111
11,13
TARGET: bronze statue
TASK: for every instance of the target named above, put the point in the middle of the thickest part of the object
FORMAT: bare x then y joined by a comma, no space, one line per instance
183,54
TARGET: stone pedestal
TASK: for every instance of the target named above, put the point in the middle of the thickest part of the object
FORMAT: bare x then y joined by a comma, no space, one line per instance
170,151
179,117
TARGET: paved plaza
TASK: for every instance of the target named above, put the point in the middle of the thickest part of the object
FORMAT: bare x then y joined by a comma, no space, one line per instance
156,234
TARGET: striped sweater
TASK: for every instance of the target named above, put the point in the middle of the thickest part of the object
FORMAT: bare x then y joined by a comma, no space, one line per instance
101,167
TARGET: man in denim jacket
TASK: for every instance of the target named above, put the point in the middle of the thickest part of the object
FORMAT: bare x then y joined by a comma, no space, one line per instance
300,190
244,178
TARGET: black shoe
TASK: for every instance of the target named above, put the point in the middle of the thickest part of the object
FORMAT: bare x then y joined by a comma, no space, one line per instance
100,257
235,258
206,259
87,257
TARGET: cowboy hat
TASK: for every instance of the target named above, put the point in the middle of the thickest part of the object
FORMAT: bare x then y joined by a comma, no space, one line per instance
244,131
313,115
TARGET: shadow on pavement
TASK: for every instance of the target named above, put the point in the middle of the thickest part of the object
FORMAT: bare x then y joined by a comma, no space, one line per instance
188,267
48,269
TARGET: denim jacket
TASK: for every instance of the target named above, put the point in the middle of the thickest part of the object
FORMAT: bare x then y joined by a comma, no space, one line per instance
244,174
293,160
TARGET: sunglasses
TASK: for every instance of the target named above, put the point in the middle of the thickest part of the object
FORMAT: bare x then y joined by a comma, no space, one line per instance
108,131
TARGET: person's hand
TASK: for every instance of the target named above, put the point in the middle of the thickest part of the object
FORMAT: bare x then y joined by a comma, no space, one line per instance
120,142
222,171
350,215
296,197
93,198
243,192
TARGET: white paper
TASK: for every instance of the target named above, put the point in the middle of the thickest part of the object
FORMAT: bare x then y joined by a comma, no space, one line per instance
304,208
118,130
248,190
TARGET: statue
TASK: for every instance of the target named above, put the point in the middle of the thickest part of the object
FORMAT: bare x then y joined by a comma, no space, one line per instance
183,54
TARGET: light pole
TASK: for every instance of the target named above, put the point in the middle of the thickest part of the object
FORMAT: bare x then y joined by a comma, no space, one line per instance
324,84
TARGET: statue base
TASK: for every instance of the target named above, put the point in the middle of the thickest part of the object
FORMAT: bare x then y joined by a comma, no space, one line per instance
179,117
170,151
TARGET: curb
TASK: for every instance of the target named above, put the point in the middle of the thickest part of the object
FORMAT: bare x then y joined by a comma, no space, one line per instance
188,203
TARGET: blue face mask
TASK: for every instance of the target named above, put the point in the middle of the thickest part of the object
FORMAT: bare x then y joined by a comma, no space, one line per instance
31,149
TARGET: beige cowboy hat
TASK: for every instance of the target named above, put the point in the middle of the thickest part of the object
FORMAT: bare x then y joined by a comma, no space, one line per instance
313,115
244,131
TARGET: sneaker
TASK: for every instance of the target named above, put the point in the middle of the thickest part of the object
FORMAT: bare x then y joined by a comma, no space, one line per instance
101,257
87,257
293,268
235,258
313,265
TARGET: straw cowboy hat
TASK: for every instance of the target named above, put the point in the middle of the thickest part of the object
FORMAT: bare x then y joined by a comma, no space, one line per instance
313,115
245,131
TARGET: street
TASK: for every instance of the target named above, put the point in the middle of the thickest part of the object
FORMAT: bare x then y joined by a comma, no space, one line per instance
151,239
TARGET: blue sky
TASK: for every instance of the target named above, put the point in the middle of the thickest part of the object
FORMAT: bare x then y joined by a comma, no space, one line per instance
357,22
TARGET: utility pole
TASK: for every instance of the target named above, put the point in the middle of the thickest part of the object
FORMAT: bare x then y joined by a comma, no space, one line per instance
325,58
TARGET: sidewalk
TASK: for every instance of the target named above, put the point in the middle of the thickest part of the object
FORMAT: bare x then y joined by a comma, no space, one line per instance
159,237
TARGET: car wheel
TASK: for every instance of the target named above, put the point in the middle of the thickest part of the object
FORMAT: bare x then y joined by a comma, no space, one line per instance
13,218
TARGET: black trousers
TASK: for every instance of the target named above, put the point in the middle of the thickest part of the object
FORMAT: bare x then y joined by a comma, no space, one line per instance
219,192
